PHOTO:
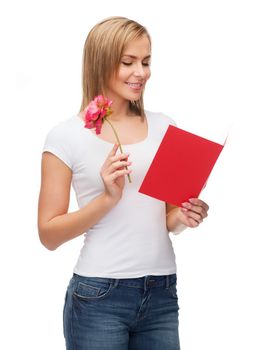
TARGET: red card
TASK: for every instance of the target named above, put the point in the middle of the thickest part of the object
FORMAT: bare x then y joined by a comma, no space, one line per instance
181,166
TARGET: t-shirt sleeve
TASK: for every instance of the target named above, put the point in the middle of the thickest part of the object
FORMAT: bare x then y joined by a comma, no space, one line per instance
57,143
168,120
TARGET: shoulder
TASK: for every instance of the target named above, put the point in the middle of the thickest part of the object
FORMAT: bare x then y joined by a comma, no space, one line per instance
159,118
63,134
60,140
65,125
159,123
63,129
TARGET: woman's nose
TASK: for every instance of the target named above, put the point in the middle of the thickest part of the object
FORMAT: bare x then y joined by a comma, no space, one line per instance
139,70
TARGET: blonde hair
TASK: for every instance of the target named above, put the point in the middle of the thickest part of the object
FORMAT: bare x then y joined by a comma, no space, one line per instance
102,53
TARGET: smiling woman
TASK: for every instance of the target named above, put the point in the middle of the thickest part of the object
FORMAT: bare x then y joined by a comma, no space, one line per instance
122,294
103,62
128,81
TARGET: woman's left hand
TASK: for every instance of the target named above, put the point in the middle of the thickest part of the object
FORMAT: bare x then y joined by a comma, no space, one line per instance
193,212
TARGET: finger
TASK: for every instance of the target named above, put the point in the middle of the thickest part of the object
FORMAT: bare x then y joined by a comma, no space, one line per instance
118,173
193,215
111,154
199,202
107,170
190,222
193,223
112,157
114,149
121,156
118,166
195,209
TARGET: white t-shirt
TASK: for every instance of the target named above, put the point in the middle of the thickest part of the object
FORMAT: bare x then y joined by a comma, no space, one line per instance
132,239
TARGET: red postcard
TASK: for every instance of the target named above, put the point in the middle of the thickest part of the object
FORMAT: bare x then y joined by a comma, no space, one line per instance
181,166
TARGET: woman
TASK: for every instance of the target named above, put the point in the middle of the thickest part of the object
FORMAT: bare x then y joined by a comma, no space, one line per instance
122,294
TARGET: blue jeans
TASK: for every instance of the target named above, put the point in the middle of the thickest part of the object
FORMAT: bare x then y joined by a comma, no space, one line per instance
121,314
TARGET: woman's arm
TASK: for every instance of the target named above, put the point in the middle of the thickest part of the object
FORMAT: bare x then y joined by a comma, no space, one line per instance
55,225
191,214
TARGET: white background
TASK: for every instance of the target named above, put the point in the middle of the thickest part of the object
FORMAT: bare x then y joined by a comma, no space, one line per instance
206,76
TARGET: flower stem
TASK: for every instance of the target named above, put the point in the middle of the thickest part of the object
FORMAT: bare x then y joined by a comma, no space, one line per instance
119,143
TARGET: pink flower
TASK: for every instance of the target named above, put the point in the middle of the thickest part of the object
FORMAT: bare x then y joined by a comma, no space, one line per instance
96,111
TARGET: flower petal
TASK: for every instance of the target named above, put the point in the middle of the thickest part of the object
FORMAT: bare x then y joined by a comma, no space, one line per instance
96,111
103,113
98,125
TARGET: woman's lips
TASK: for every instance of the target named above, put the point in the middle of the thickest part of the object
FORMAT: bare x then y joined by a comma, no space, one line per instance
135,86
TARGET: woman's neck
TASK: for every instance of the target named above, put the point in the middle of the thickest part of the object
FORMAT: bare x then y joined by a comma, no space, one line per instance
120,110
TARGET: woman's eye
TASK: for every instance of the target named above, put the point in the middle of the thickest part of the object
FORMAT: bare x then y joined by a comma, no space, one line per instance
146,64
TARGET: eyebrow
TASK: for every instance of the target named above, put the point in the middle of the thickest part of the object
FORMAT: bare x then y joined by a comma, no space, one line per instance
131,56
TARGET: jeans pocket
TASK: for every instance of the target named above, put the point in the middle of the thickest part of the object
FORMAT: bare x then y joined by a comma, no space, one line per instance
92,290
174,297
173,290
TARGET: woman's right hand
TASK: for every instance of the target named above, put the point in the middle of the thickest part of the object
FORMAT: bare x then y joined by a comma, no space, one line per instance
113,173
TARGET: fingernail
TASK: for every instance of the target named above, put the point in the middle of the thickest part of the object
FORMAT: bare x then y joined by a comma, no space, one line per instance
186,205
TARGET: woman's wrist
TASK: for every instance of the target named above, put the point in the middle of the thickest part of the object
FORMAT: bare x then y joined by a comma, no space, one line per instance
174,222
109,200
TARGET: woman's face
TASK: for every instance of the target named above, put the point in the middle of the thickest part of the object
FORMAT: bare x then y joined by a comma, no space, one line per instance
133,73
